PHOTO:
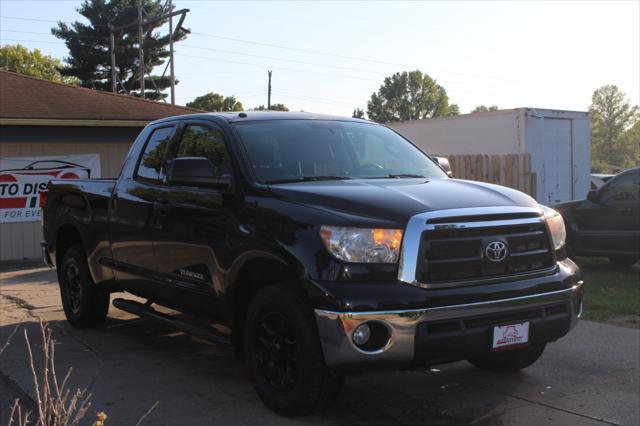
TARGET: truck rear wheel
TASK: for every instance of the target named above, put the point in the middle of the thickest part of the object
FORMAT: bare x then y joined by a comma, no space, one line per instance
284,354
85,304
509,361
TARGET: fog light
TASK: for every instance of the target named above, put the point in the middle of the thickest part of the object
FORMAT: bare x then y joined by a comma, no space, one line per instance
361,334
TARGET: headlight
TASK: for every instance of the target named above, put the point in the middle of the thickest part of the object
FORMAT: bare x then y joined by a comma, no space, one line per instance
556,226
359,245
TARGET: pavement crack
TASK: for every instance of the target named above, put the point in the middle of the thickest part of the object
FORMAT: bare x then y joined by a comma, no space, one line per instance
21,303
29,308
565,410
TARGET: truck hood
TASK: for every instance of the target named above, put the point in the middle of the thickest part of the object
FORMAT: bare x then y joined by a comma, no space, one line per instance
396,200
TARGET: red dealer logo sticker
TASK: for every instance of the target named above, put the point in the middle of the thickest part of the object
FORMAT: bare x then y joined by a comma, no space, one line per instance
20,188
510,335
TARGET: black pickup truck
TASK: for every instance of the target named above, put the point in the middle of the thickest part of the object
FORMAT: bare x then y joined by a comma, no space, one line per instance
315,246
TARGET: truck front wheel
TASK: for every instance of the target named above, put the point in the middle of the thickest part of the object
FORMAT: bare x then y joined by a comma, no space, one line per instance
85,304
509,361
284,354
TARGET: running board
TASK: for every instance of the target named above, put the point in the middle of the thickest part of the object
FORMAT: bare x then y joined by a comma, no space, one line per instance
146,311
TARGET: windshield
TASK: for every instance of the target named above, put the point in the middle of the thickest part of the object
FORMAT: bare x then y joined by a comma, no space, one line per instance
292,150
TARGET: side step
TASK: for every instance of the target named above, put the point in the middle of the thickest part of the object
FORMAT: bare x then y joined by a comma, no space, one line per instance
146,311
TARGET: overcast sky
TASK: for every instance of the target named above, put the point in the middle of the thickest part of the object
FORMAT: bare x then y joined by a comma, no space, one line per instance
329,57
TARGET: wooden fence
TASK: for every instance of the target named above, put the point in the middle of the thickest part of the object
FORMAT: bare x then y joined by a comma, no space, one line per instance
512,170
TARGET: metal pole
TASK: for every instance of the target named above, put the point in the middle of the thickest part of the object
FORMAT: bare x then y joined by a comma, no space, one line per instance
269,93
141,49
172,71
112,43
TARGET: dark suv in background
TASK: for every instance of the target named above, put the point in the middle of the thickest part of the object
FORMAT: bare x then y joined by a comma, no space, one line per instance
607,223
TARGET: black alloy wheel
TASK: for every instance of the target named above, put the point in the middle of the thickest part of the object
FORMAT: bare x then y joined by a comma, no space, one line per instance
277,351
284,353
73,285
85,303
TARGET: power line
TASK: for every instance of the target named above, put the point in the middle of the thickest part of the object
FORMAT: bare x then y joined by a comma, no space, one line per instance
337,56
18,40
448,82
27,19
354,58
278,67
49,34
319,53
315,98
283,95
316,64
22,18
380,73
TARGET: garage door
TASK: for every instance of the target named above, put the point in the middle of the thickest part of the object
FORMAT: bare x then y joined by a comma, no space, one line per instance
558,162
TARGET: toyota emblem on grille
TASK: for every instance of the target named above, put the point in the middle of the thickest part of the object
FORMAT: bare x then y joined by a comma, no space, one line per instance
496,251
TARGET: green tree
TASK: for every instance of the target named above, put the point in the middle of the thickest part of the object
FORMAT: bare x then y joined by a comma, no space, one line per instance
614,137
274,107
216,102
630,142
454,109
18,58
482,108
88,44
408,96
358,113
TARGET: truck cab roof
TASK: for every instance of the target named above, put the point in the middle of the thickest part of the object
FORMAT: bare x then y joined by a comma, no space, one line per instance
243,116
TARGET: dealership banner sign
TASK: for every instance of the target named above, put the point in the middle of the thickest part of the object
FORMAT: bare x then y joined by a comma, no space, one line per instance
22,179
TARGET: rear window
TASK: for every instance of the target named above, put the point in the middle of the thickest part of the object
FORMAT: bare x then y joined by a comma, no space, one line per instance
153,157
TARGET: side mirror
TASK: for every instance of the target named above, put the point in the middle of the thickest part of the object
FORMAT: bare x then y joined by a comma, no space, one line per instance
444,163
592,196
197,171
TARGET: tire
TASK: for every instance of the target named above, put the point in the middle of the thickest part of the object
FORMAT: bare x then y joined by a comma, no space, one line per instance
85,304
284,354
509,361
623,260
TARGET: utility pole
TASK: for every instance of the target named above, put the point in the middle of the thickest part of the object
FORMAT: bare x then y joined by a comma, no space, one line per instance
141,48
269,93
172,71
112,44
140,23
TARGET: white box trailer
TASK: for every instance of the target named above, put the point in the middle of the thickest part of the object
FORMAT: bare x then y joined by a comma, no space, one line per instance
557,141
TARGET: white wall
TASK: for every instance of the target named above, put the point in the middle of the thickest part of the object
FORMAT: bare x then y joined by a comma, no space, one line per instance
496,132
579,167
515,131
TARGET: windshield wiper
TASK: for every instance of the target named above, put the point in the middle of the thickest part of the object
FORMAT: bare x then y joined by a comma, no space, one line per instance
404,175
307,179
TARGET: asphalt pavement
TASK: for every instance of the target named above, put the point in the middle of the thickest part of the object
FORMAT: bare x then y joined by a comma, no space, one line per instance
591,377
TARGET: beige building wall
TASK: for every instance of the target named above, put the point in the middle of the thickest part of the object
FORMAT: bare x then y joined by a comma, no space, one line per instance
22,240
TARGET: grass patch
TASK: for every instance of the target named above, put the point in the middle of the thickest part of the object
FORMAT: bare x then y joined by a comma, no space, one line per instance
611,293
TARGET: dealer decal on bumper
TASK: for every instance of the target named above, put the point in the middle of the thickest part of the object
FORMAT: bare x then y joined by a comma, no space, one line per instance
510,335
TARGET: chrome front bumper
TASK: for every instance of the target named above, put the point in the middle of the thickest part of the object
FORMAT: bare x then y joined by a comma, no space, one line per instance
336,327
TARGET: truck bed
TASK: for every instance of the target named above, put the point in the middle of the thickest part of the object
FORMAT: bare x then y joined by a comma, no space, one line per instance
83,203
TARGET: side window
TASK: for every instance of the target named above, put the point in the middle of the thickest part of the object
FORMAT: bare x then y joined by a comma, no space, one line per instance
203,141
152,161
625,189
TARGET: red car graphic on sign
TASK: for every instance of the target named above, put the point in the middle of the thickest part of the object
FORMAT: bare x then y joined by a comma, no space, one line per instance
20,188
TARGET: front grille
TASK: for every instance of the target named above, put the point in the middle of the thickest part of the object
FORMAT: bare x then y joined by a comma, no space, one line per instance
452,254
